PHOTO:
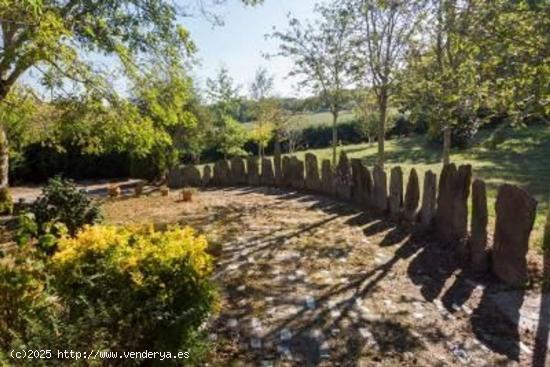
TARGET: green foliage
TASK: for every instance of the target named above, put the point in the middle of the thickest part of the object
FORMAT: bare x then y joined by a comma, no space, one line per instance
231,138
149,290
62,202
108,288
6,201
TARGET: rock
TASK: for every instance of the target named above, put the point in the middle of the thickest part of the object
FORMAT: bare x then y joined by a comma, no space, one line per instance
238,171
515,215
327,178
445,203
342,178
313,180
206,176
252,165
380,190
175,178
368,190
396,192
460,206
287,172
427,212
191,176
268,177
278,170
221,173
358,178
412,197
546,249
297,173
478,238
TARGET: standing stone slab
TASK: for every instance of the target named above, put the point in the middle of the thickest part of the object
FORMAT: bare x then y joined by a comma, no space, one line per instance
412,197
313,180
253,170
427,212
278,170
478,238
445,203
327,178
175,178
368,190
207,176
191,176
342,178
298,181
287,171
460,205
268,177
238,171
515,215
358,174
546,248
396,192
380,190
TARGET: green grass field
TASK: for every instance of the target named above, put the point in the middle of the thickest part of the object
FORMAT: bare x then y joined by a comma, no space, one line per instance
304,120
521,158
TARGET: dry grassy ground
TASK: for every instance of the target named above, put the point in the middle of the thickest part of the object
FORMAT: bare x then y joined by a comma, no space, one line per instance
309,281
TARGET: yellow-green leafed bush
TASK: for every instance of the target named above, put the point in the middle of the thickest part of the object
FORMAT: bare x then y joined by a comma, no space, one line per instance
149,290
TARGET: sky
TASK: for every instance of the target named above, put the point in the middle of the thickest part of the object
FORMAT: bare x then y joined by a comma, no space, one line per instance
239,44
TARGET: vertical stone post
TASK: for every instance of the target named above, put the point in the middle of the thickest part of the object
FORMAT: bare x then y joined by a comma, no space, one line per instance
175,178
191,176
342,178
412,197
327,178
238,171
206,176
313,181
268,177
427,212
368,191
380,191
278,170
358,182
515,216
297,173
253,169
445,203
460,206
286,172
478,228
396,192
546,250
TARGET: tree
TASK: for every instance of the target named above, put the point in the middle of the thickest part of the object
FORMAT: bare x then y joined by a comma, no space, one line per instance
55,36
228,134
321,52
365,112
259,91
384,29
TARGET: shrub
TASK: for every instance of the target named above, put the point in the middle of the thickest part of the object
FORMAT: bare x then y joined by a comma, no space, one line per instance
6,202
130,288
62,202
149,290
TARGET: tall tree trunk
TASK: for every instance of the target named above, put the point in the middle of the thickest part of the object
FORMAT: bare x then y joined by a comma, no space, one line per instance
446,145
334,135
383,107
4,159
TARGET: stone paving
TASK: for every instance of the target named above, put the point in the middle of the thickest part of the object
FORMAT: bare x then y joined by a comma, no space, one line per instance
308,281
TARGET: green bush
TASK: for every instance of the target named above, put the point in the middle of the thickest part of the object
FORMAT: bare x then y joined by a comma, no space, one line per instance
109,288
151,288
62,202
6,202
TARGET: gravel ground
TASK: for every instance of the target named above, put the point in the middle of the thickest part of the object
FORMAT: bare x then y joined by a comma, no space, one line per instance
308,281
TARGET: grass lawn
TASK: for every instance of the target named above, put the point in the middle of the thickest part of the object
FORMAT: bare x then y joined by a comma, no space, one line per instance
522,158
304,120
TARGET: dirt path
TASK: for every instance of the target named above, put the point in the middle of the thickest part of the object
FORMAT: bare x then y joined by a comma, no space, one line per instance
309,281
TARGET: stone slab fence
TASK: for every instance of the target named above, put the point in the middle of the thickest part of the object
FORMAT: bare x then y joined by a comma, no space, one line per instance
441,209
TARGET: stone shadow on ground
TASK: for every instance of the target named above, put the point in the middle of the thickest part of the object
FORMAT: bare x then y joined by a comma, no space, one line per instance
436,264
433,265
